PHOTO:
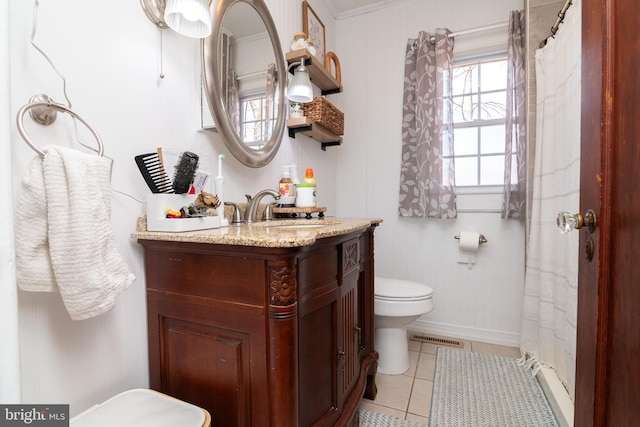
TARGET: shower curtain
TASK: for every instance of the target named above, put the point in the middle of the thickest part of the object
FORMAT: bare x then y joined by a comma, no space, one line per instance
9,360
548,330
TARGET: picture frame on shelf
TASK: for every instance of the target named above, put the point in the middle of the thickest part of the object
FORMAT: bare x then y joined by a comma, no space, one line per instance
313,26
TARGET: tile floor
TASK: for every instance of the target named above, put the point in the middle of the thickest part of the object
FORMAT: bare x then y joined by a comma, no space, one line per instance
408,396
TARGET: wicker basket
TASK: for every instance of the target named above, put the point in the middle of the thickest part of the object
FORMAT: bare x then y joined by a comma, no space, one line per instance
325,113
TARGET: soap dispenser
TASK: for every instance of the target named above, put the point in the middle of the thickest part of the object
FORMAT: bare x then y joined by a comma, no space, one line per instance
286,189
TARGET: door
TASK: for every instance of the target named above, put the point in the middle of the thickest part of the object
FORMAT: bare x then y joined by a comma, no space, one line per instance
608,342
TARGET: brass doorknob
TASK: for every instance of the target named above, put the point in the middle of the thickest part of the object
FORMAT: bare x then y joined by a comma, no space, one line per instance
567,221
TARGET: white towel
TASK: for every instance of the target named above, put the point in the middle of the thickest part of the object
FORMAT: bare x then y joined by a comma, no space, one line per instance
64,238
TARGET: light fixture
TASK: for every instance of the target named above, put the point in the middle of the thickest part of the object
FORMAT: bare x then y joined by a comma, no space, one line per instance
300,89
191,18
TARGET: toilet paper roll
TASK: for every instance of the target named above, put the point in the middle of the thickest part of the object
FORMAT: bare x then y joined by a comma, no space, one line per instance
469,241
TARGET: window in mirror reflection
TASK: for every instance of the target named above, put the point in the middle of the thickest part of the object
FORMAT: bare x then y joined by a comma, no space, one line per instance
256,123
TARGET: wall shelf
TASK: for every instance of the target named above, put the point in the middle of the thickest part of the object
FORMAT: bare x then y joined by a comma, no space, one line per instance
313,130
319,75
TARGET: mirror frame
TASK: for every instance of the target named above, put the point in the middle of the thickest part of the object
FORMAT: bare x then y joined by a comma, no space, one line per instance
254,158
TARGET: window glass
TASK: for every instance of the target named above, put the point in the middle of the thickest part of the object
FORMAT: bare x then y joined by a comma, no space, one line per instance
466,171
465,141
479,90
254,129
494,75
465,108
465,79
492,139
493,105
492,170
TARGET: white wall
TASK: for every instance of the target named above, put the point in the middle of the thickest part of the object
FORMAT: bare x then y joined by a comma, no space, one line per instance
480,303
9,356
109,53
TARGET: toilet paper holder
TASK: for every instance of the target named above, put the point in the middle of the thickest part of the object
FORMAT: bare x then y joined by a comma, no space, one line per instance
481,238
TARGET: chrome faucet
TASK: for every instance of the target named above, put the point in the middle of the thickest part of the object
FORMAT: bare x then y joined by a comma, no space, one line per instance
253,203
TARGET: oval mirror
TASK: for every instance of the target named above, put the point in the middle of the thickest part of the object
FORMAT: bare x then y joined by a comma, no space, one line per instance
244,79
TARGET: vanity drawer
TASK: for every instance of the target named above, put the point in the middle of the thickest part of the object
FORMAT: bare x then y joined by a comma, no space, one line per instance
226,278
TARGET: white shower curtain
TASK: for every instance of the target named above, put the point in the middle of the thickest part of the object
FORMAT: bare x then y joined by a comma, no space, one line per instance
548,331
9,361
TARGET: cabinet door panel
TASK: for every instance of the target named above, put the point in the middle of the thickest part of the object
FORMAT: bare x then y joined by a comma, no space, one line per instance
209,367
350,362
318,356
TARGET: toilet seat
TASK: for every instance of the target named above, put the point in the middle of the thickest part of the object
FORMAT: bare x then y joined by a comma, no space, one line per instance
400,290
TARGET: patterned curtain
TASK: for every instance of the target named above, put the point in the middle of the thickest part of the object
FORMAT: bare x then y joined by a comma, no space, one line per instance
513,203
427,182
270,107
233,100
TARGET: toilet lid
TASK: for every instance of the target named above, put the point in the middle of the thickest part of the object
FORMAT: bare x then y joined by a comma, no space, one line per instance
395,289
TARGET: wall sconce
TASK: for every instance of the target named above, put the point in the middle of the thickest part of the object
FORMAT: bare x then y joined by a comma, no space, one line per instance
300,89
191,18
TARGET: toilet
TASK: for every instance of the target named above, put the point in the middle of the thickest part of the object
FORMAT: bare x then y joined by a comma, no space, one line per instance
397,303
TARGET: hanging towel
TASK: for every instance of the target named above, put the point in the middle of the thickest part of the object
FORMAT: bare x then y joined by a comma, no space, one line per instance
64,238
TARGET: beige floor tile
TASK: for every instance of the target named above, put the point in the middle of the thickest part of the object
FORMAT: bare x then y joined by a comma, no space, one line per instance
426,366
432,348
498,350
414,345
420,401
413,359
393,391
368,405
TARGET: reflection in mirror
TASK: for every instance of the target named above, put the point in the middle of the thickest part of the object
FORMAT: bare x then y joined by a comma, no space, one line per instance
242,61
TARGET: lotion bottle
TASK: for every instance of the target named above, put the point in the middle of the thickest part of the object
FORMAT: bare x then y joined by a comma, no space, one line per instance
286,189
306,191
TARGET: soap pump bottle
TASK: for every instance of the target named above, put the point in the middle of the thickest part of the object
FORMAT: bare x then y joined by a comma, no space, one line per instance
286,189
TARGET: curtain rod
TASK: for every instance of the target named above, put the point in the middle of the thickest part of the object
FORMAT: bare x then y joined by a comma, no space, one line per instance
556,25
252,75
479,29
475,30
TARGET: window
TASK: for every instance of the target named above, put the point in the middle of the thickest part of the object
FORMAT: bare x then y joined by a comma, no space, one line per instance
479,104
255,126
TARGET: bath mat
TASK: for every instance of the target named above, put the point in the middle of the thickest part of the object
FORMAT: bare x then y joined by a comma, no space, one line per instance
375,419
484,390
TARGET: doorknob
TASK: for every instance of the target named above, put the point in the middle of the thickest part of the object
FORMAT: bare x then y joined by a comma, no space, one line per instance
567,221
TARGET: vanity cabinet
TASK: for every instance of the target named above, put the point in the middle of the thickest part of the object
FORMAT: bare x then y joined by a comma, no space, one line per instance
264,336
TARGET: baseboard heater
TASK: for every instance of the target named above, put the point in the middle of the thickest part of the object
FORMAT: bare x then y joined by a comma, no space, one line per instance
434,339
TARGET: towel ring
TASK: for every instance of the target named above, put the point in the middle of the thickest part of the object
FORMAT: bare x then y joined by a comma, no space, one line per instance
44,111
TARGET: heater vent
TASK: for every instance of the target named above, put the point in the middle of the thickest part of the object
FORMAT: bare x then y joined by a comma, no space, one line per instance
451,342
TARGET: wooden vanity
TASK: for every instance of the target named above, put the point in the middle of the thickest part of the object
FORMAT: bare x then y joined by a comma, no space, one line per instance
261,325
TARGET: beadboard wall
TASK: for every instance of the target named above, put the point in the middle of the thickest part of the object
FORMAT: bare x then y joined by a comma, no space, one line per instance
482,302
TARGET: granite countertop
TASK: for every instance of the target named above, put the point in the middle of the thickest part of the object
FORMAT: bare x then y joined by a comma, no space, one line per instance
277,233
